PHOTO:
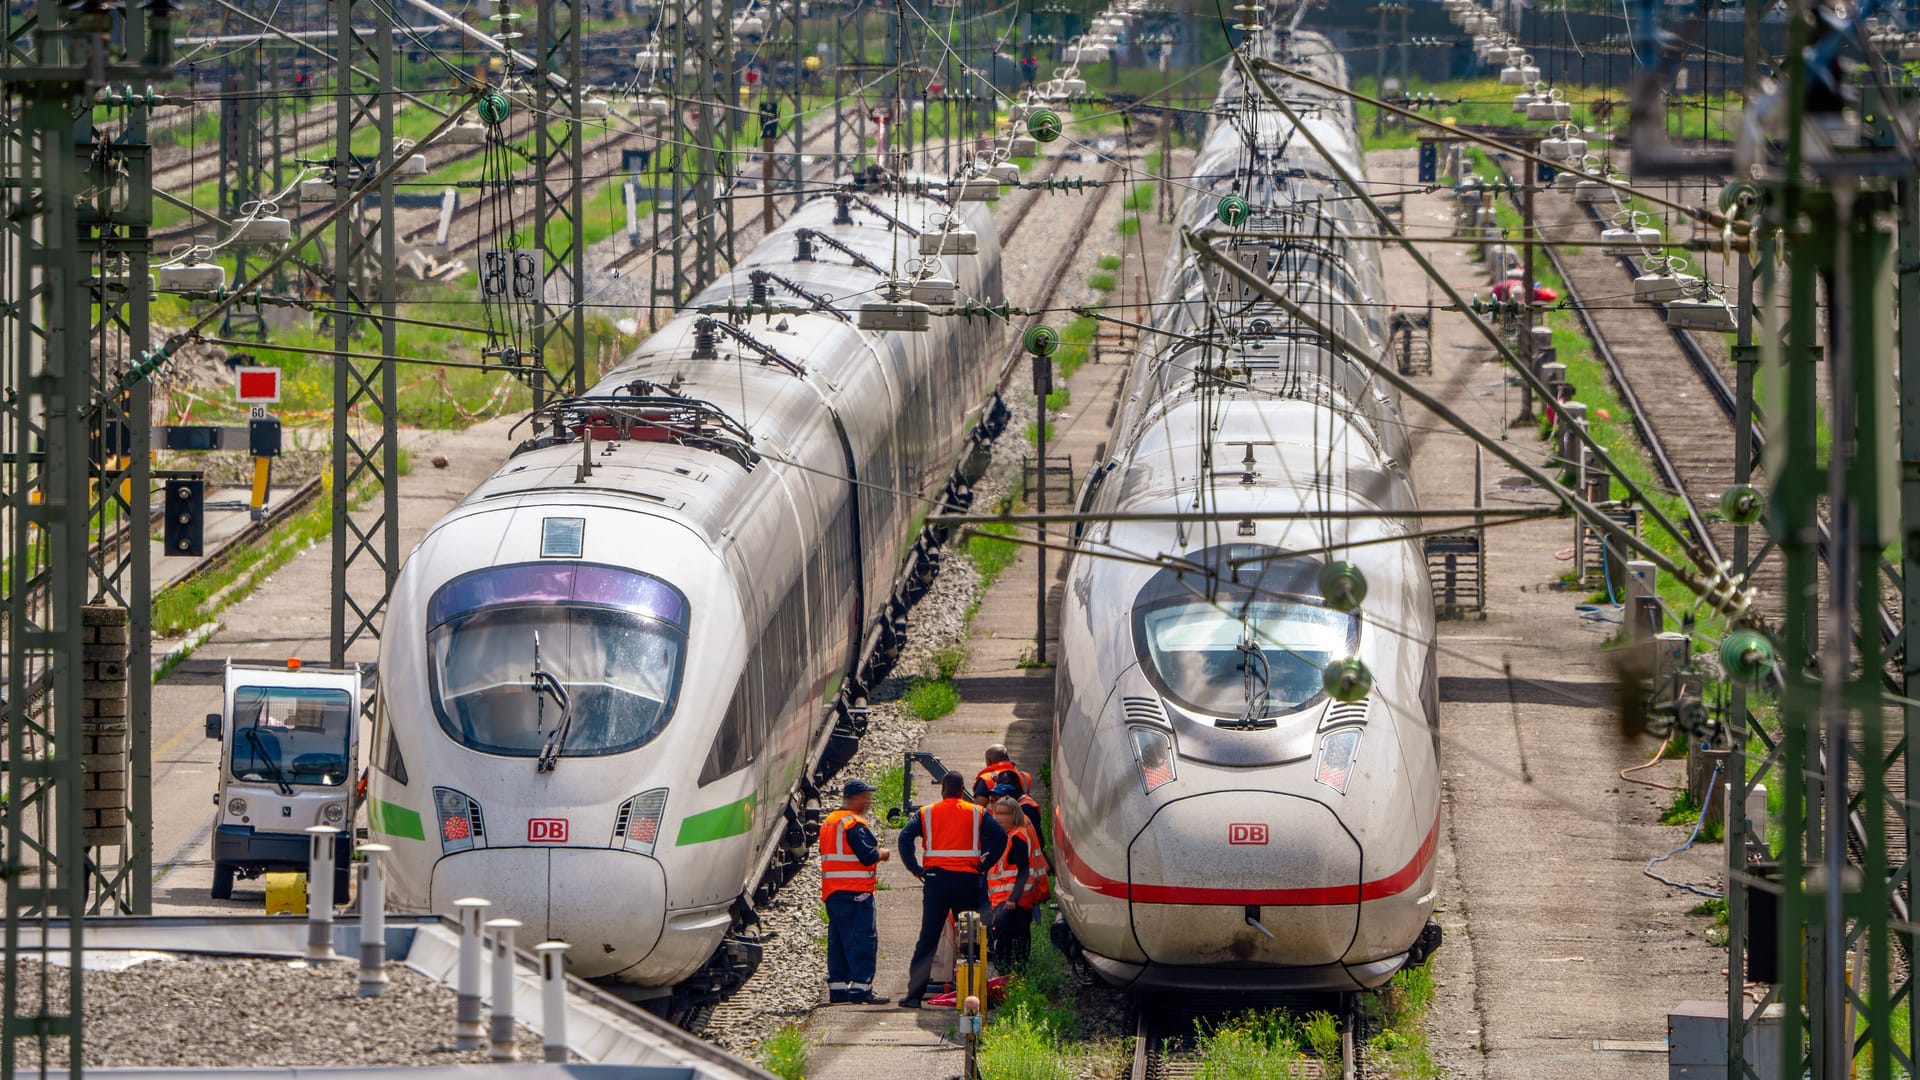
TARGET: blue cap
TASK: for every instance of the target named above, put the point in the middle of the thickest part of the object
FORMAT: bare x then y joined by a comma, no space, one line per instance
1011,791
855,787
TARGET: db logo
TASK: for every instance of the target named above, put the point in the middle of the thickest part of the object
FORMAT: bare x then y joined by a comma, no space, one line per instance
1239,832
553,830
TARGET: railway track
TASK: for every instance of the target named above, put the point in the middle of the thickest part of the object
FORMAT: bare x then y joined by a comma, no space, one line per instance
1691,448
1169,1034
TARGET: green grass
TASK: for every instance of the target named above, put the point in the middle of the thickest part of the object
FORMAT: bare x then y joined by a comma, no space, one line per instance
1400,1048
1101,282
931,699
1109,262
1684,811
991,556
784,1054
1037,1032
1717,909
1058,400
1252,1046
1485,102
1032,433
890,788
1016,1045
1076,341
1129,225
1140,198
947,662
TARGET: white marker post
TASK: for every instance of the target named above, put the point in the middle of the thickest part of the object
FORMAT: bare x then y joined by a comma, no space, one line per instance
468,1033
502,1045
373,922
553,999
320,849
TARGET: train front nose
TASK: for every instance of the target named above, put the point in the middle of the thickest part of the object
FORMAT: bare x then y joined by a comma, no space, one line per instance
1205,869
609,905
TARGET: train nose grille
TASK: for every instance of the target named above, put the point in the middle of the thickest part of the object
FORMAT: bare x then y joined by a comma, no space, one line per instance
1202,863
1143,710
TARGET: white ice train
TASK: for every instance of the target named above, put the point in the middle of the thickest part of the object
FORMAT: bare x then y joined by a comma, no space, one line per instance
610,678
1221,822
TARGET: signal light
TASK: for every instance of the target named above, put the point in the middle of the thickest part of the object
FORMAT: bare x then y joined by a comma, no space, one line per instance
185,529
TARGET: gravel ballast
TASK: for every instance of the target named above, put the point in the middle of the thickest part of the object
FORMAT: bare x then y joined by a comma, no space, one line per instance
182,1011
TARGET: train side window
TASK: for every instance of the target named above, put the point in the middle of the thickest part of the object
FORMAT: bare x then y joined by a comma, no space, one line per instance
387,745
733,746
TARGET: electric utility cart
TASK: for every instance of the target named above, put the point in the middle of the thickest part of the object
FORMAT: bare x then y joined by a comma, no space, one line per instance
288,752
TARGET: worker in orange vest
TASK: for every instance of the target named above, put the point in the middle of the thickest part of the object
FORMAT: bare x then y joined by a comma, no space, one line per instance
1015,887
1007,786
850,859
962,842
998,761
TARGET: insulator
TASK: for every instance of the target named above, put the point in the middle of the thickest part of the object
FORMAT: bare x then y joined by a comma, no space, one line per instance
1342,585
1041,340
843,208
1346,679
1747,656
493,108
704,340
1232,211
757,290
804,245
1742,504
1044,125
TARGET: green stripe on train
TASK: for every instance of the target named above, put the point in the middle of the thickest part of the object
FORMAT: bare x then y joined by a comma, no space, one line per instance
391,820
717,823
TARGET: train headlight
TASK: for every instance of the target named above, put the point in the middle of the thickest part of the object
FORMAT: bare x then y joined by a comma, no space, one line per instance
637,826
1153,749
461,827
237,807
333,813
1338,748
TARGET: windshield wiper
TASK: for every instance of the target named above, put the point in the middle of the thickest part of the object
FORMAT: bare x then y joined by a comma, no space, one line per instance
544,682
273,767
1258,688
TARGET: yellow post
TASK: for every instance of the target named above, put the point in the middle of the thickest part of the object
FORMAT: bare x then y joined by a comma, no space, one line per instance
262,475
970,985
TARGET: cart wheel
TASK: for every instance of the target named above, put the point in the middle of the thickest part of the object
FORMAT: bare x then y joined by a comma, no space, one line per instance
222,881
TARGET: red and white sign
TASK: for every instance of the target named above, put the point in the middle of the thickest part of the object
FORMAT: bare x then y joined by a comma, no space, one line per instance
553,830
1244,832
256,385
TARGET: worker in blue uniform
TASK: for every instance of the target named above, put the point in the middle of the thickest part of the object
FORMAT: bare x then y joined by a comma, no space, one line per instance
849,860
962,842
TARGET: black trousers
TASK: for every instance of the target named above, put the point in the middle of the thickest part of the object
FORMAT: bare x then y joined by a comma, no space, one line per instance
947,893
1010,938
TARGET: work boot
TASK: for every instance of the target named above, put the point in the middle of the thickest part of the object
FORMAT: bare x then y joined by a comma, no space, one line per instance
867,997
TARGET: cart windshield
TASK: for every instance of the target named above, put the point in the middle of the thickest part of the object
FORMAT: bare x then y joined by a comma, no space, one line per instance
291,734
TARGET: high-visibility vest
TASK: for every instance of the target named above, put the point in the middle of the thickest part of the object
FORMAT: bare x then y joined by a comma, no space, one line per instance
840,869
950,829
1001,878
990,775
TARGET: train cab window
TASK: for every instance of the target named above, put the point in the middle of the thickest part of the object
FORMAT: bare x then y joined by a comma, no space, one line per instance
1255,646
614,639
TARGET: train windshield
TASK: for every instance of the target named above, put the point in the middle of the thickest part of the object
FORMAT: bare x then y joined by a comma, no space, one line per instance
614,640
1252,648
290,735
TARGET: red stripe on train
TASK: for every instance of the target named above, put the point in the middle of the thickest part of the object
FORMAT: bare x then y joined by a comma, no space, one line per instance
1319,896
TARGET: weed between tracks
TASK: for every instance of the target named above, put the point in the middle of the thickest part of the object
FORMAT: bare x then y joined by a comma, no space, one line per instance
1045,1028
784,1054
